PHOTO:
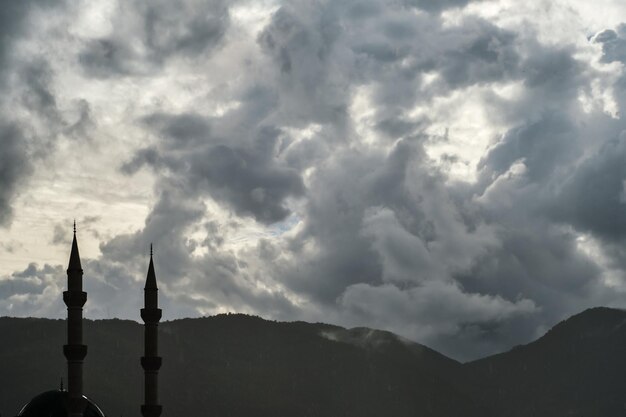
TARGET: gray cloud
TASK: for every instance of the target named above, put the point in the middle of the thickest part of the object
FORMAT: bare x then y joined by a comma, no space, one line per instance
247,176
33,291
592,198
480,52
15,166
146,156
362,226
383,232
613,44
60,235
184,278
14,22
437,5
161,30
542,144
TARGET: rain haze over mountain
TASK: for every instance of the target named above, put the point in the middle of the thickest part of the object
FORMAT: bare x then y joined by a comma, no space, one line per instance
452,171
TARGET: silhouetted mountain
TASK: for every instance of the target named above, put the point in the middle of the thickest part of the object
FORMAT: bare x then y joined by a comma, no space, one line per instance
577,369
237,365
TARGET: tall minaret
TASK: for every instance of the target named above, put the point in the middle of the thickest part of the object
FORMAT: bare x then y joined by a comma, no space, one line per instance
75,351
151,361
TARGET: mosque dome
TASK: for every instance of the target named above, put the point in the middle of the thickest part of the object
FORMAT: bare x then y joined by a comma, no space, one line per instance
54,404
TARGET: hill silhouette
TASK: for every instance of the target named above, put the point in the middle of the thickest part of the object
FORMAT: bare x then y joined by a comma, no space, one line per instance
576,369
238,365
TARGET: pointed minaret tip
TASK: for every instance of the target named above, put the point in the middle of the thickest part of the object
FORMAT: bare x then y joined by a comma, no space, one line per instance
151,278
74,255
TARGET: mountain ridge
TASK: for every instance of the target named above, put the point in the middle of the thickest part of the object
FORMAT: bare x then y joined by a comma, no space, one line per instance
575,369
242,365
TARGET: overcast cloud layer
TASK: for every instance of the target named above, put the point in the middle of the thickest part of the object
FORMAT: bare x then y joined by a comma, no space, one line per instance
453,171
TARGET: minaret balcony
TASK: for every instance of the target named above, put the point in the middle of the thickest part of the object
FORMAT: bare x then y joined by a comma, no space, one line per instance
151,315
151,363
75,352
74,298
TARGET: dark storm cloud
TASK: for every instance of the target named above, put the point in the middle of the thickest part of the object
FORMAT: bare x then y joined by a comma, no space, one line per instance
338,197
146,156
33,291
37,95
356,248
481,53
438,5
303,48
385,239
351,183
22,142
15,166
185,129
543,145
544,182
13,21
540,263
31,279
248,181
322,54
368,8
247,176
593,198
48,124
378,219
613,44
161,29
548,136
363,227
555,70
474,52
104,57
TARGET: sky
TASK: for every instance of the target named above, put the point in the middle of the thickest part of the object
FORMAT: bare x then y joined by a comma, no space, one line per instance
452,171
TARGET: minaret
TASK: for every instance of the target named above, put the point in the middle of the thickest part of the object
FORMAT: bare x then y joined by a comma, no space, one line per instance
75,351
151,361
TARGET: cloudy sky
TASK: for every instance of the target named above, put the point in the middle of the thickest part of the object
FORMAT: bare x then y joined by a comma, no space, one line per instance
453,170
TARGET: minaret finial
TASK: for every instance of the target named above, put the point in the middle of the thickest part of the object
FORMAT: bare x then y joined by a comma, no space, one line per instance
151,249
74,226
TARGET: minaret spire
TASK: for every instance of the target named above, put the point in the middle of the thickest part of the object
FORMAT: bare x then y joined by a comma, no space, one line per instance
74,350
151,362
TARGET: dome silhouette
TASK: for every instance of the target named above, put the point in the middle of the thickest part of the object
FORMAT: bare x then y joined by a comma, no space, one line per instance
54,404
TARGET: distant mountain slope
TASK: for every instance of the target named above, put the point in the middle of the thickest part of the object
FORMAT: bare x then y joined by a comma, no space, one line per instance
237,365
577,369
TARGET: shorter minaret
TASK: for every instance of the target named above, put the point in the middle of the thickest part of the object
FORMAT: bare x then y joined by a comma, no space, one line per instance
74,350
151,361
